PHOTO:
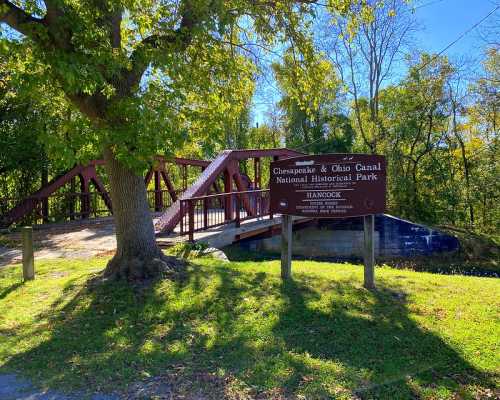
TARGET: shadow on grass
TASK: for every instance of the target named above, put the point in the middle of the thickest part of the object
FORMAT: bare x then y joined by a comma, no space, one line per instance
447,264
385,353
5,292
239,253
228,329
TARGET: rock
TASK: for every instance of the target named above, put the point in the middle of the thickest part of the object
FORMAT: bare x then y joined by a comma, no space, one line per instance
215,253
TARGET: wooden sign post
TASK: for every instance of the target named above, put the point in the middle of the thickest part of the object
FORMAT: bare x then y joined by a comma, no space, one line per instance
369,251
329,186
28,258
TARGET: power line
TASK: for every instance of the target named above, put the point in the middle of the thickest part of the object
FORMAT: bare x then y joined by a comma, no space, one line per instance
428,4
462,35
415,8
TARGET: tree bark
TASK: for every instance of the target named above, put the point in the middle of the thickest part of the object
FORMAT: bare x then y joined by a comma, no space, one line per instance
137,255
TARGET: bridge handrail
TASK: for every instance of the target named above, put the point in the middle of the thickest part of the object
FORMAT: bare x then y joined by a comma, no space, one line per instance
224,194
196,212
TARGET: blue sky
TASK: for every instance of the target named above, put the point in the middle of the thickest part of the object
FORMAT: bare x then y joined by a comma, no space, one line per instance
446,20
442,22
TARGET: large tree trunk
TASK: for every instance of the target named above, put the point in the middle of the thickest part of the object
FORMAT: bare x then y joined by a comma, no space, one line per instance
137,255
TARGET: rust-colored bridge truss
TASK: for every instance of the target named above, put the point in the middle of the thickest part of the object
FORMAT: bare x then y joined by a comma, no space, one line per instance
175,202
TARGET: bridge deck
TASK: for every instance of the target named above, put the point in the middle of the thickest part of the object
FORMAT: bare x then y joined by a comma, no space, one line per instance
225,235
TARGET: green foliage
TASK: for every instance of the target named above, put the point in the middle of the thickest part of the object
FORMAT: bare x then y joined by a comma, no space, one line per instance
442,153
41,134
417,117
188,250
169,77
39,108
310,87
150,75
264,137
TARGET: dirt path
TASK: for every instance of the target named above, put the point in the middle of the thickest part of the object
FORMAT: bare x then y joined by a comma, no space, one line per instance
68,241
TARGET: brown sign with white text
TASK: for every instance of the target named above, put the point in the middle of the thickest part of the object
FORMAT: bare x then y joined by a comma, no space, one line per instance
329,185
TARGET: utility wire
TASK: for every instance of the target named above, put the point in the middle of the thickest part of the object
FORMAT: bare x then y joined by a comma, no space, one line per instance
459,37
428,4
433,58
415,8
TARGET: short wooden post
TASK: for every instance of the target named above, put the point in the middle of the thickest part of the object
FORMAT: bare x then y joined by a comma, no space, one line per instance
369,252
28,259
286,247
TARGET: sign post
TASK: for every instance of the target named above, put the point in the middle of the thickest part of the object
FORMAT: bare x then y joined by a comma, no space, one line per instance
28,258
329,186
369,252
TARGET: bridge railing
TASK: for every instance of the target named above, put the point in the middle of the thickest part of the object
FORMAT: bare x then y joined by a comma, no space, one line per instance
204,212
59,207
69,206
160,200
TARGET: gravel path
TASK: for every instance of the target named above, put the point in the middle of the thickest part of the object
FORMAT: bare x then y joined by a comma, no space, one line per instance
70,241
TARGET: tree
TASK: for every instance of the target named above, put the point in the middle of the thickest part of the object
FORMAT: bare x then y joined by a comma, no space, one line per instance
35,122
366,58
416,114
237,130
482,145
309,102
139,70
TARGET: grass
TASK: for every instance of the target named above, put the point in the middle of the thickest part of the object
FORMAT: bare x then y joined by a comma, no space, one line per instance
234,330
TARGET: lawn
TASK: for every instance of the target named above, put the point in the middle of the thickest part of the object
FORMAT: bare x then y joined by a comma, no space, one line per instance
234,330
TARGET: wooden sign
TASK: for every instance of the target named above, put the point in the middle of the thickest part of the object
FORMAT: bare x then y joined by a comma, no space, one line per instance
329,185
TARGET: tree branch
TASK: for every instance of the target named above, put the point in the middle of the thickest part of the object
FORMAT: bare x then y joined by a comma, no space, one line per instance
53,12
140,59
18,19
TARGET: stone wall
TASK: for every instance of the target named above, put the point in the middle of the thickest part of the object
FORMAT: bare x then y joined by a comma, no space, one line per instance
343,238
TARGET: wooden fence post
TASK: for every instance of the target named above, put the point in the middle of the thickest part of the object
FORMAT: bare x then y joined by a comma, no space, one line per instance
28,258
369,251
286,246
